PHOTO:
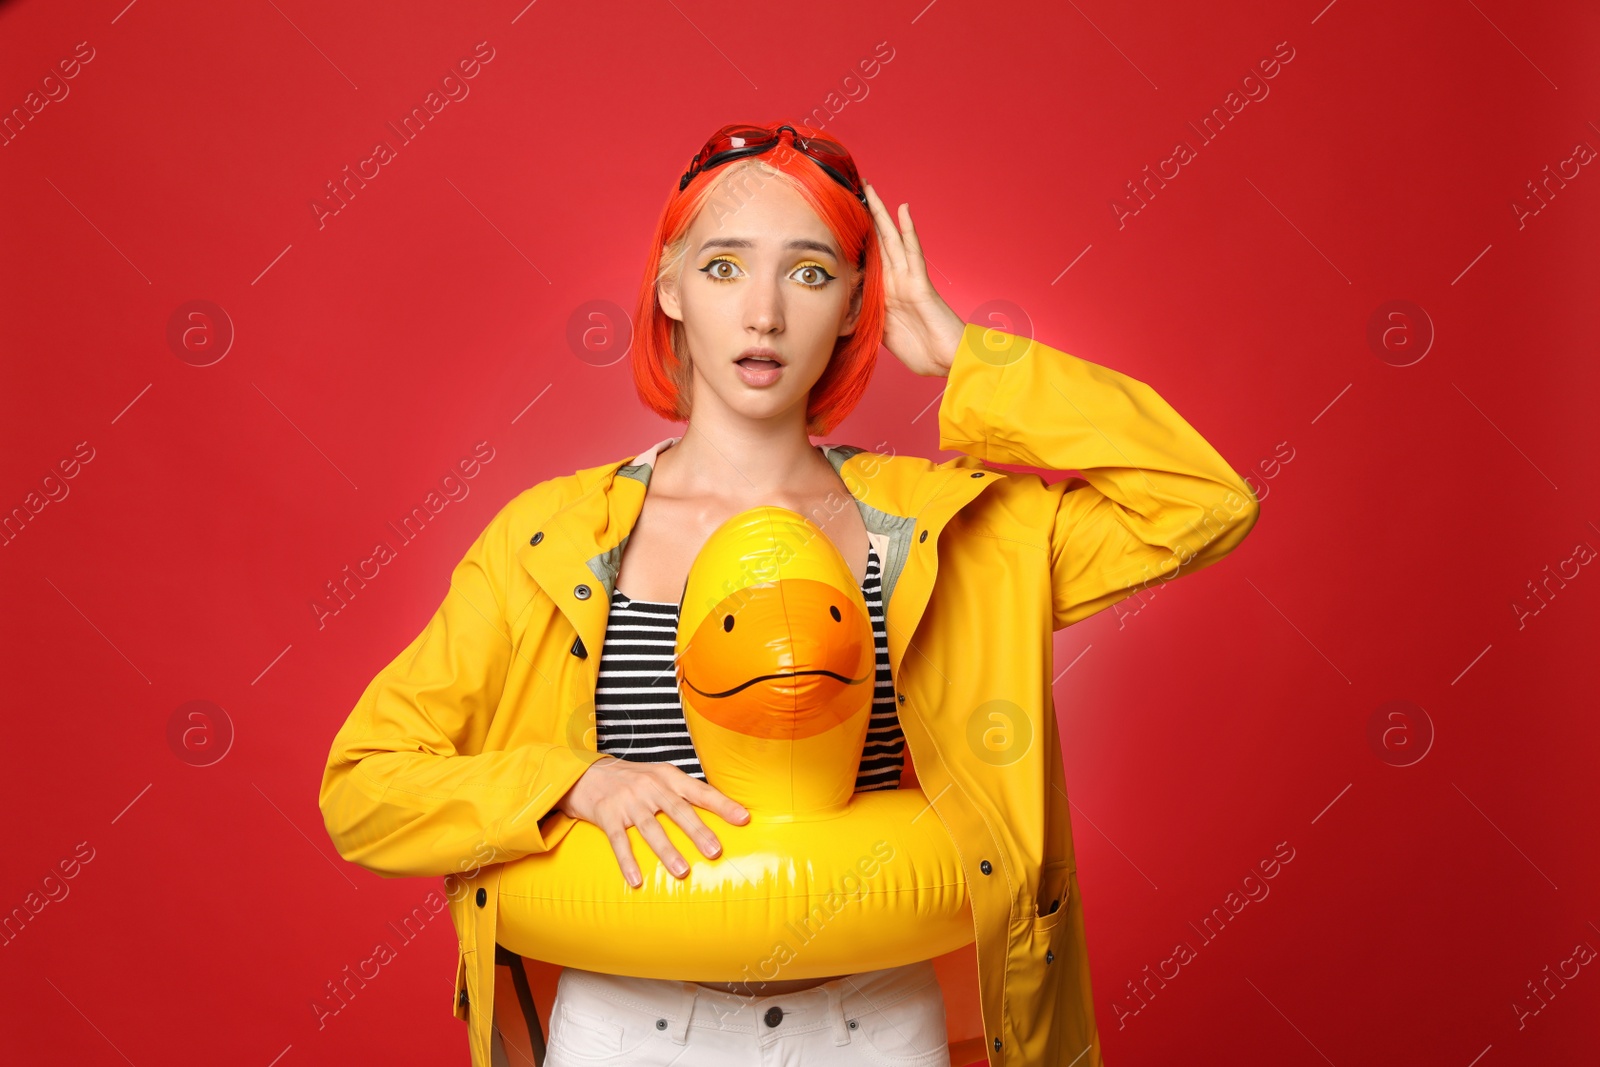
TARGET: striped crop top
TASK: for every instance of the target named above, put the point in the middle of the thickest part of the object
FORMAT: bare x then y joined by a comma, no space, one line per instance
638,715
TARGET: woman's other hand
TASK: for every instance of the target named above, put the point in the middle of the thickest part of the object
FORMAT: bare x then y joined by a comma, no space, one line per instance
615,794
918,326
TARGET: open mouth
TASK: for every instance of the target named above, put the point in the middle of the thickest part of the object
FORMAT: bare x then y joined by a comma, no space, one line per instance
759,363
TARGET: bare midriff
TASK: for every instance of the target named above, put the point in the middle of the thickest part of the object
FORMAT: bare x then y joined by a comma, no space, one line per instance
767,989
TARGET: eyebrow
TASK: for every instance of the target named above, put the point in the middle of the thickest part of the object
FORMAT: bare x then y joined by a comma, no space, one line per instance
798,244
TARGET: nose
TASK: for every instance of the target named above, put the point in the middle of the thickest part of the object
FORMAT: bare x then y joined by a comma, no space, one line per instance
763,310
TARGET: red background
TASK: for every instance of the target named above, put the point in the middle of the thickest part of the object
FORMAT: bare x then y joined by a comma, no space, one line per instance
1406,509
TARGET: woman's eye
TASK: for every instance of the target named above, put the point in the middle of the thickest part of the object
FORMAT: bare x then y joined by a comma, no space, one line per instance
710,270
811,275
819,277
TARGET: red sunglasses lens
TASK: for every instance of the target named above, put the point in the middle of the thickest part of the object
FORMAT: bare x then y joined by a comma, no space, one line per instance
833,154
730,137
743,135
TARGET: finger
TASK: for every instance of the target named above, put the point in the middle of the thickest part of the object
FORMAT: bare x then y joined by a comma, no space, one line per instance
874,209
654,836
623,847
682,813
894,253
709,797
914,256
888,235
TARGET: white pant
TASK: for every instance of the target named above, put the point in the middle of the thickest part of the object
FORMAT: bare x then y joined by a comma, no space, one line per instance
889,1018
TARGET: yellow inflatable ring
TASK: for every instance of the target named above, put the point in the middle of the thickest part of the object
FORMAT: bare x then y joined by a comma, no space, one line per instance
776,667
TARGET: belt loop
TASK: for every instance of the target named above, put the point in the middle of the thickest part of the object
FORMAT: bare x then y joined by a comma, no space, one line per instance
680,1026
841,1031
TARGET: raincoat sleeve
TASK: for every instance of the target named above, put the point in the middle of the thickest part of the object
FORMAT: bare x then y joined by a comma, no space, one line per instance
406,790
1156,501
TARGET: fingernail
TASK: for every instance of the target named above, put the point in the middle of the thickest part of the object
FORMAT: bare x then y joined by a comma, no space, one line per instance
678,870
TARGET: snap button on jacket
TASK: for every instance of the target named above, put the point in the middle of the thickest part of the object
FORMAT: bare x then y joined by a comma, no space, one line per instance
453,758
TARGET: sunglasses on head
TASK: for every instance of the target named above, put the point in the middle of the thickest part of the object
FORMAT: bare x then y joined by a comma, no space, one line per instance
742,139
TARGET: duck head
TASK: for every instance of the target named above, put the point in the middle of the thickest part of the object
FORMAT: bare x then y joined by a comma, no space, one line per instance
776,665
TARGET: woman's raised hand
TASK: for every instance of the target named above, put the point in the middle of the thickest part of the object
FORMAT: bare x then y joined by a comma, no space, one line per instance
918,326
615,794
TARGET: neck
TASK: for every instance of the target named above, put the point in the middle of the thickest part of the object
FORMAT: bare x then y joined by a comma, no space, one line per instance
742,458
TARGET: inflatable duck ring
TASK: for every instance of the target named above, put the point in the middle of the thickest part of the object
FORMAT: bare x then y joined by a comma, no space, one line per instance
776,669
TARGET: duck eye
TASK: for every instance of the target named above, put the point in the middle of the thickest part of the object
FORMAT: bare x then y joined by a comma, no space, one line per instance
834,611
727,623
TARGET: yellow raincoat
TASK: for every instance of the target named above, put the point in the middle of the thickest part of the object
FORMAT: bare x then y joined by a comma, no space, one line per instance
451,762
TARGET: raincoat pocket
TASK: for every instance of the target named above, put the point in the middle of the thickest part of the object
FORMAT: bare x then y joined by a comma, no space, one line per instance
1055,887
463,967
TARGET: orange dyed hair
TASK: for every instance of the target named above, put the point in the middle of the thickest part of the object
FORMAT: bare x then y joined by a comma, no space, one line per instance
662,377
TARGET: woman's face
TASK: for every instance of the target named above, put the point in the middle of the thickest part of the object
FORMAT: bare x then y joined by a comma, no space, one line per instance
769,275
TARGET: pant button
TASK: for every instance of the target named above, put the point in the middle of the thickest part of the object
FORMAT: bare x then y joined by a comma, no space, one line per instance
661,1024
774,1015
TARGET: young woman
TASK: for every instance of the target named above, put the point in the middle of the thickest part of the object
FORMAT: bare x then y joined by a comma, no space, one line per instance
530,702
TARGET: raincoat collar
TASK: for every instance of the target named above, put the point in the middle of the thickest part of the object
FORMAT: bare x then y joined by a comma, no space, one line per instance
904,501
